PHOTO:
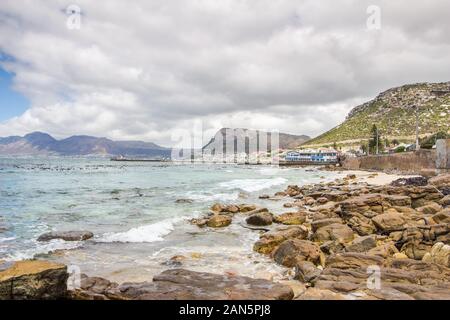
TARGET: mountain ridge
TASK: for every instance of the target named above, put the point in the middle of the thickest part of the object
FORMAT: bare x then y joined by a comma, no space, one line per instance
394,113
229,135
40,143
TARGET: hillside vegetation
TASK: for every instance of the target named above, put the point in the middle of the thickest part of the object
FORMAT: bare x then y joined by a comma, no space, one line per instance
394,113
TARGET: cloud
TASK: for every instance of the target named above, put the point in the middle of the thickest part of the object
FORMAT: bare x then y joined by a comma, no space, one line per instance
141,70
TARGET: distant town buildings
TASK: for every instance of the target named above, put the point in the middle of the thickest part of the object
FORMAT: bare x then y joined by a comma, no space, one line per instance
312,156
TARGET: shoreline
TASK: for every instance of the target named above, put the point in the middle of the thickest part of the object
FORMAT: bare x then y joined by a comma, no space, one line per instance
320,230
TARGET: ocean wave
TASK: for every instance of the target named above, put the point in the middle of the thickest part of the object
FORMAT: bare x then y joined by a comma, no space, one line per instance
147,233
213,196
252,185
43,248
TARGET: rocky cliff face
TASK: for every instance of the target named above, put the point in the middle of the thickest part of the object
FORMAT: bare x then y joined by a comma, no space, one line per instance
394,112
245,138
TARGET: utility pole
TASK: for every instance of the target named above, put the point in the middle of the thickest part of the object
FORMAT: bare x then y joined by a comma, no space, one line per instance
377,138
417,128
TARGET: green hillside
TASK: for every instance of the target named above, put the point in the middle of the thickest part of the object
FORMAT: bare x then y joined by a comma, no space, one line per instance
394,113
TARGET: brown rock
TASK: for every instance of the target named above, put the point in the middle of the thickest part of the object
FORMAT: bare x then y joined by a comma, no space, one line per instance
431,208
182,284
440,254
442,180
317,224
33,279
244,208
260,219
291,218
306,271
442,216
66,235
292,251
445,201
334,231
362,244
389,222
219,221
270,240
320,294
351,260
415,250
398,200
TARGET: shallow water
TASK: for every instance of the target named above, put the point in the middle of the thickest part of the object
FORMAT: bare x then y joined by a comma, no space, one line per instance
131,209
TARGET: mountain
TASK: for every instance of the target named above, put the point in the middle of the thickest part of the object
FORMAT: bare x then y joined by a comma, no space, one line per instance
394,113
228,136
39,143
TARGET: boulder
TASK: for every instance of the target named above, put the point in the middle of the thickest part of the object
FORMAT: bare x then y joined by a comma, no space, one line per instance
389,221
440,254
317,224
442,180
291,218
219,221
306,271
431,208
184,201
180,284
322,200
350,260
385,250
260,219
398,200
362,203
445,201
442,216
362,244
270,240
244,208
200,222
292,251
33,279
320,294
66,235
293,191
334,231
415,250
94,288
361,224
413,181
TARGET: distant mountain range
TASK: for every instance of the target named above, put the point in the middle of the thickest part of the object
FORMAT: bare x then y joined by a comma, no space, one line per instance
241,139
39,143
394,113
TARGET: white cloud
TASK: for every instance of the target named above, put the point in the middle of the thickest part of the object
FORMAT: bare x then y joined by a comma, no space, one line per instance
138,70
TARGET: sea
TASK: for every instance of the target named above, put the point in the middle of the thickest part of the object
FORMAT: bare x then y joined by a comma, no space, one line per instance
132,209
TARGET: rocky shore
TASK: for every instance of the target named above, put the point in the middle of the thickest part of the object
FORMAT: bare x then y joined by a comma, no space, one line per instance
345,239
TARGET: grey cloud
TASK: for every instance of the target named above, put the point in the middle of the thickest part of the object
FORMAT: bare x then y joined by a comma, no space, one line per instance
141,69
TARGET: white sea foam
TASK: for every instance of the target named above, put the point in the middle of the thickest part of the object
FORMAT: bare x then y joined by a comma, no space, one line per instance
43,248
7,239
147,233
252,185
206,197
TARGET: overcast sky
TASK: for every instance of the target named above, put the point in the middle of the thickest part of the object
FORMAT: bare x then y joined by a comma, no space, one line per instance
141,69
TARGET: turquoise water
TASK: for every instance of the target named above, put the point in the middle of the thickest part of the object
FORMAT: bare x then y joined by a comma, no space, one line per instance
131,209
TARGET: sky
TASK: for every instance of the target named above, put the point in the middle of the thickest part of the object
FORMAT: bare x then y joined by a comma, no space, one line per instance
154,69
